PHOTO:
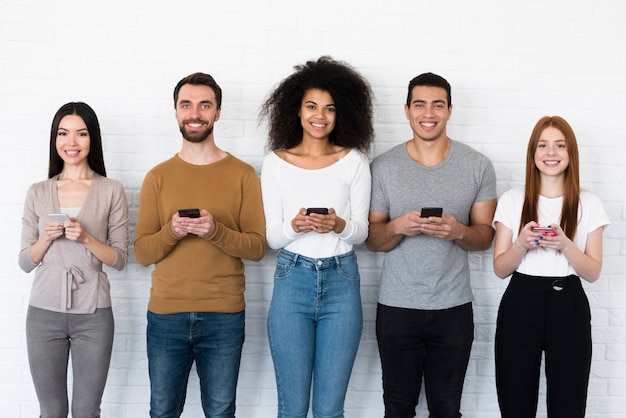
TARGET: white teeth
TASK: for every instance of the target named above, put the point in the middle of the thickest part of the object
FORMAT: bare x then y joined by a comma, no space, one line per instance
428,125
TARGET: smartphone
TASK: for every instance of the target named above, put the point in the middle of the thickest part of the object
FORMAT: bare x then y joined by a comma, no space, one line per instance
428,212
189,213
62,218
321,211
542,229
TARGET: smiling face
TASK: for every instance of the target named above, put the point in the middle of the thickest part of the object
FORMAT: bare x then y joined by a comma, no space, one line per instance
72,140
428,112
317,114
196,112
551,155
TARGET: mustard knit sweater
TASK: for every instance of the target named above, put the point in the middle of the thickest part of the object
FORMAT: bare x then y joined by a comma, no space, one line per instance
193,274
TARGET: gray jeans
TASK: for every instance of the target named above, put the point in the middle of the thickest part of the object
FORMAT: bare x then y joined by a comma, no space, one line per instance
50,337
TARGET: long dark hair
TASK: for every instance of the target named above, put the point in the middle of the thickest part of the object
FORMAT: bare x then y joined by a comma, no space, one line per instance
351,94
571,188
95,159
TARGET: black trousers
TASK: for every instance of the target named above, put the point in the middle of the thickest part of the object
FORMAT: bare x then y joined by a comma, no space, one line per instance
434,345
549,315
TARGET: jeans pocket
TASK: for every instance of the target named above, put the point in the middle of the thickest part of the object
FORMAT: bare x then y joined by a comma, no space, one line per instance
349,269
283,269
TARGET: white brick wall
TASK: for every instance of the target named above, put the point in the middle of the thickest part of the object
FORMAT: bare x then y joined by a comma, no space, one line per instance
509,63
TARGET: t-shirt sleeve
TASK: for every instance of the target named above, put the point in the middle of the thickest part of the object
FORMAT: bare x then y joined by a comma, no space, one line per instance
597,214
506,211
487,189
379,201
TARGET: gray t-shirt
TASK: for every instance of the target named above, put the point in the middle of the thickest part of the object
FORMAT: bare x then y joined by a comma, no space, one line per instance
425,272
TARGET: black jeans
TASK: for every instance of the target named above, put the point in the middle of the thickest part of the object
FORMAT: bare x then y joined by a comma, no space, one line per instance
550,315
430,344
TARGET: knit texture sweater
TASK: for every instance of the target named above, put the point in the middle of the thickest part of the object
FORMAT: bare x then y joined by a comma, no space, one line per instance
195,274
69,278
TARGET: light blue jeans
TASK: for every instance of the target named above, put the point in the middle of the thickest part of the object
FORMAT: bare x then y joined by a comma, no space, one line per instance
314,327
214,340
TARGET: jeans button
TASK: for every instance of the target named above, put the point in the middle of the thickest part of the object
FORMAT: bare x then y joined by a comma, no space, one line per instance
558,285
320,262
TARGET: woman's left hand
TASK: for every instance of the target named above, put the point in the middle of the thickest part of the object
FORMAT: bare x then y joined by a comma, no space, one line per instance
556,240
74,231
324,224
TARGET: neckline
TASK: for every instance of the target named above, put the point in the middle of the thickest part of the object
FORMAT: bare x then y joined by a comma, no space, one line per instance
313,169
55,191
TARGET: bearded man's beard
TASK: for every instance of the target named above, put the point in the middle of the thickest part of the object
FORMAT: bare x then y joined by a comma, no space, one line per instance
198,136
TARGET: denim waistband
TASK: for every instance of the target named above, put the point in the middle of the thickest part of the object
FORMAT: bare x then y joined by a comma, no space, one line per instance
525,282
317,263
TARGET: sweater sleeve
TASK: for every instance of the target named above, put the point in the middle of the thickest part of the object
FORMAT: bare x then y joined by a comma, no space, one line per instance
279,231
356,228
153,242
117,228
30,232
249,241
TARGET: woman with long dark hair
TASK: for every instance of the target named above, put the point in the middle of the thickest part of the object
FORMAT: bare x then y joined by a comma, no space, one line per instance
73,222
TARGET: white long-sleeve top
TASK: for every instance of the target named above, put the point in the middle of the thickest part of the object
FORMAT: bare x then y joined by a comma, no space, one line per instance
344,186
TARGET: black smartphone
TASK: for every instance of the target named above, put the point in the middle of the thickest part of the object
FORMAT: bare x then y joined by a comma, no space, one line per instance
321,211
189,213
428,212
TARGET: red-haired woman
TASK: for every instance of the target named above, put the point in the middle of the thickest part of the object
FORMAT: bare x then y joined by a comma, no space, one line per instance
548,237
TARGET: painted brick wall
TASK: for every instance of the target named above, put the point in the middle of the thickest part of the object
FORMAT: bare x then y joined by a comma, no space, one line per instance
509,62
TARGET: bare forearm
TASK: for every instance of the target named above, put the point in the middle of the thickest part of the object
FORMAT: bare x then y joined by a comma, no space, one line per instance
100,250
382,237
475,237
584,265
507,262
39,249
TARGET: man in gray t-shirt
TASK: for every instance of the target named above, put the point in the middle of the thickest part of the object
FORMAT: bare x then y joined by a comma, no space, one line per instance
424,322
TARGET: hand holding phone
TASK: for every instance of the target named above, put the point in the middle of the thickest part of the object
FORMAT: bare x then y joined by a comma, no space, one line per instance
431,211
62,218
542,229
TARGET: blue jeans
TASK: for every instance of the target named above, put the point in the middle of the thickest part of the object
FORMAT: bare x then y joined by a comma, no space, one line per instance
433,344
314,327
214,340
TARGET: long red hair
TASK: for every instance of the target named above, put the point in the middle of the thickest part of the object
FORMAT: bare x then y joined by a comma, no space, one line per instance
571,187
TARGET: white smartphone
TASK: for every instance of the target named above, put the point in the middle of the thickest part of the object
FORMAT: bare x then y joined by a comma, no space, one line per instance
59,217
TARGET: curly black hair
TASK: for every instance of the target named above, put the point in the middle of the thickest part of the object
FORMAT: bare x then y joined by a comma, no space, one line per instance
351,94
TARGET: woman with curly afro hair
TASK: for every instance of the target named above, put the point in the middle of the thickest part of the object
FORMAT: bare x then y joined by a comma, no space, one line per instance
316,193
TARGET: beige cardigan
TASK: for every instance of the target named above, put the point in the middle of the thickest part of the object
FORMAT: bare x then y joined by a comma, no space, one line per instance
69,278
